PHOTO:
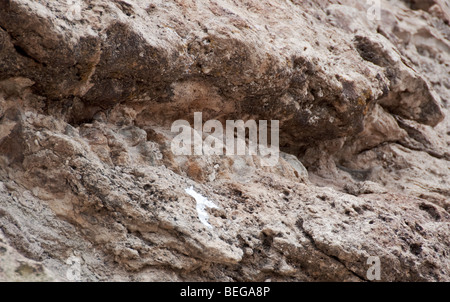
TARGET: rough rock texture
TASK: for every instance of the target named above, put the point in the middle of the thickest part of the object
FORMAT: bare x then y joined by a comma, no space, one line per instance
90,88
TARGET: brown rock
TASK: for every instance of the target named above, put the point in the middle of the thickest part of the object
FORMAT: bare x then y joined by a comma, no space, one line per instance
90,189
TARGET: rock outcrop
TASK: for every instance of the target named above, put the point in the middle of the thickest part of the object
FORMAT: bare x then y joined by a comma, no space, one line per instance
91,190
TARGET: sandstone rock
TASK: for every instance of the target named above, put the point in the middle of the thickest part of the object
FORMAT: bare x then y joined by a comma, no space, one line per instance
91,190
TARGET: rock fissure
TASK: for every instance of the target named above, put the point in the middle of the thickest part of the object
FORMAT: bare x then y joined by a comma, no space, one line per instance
88,96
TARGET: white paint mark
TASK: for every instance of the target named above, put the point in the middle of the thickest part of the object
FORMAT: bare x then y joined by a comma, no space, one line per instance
202,203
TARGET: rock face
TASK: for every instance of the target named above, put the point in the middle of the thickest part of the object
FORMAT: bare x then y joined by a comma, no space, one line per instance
91,190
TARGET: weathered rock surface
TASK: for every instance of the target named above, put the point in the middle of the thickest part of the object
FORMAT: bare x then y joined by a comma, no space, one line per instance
90,88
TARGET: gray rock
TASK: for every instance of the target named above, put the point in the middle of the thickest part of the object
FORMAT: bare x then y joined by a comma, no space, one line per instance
90,189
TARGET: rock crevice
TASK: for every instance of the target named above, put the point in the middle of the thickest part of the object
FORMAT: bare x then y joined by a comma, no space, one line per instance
89,90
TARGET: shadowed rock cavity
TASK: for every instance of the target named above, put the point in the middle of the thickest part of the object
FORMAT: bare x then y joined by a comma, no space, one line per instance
88,180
